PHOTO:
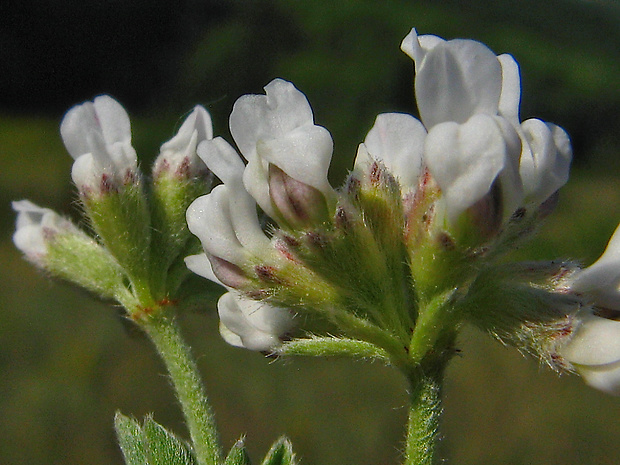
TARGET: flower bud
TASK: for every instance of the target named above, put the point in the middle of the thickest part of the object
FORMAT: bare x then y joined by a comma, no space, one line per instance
97,135
56,245
179,177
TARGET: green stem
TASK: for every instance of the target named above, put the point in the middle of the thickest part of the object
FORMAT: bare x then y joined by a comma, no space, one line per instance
165,334
424,413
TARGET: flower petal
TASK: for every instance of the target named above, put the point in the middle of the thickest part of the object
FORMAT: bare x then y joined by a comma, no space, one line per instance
456,80
465,159
209,218
596,341
545,159
601,280
222,159
397,140
257,324
605,378
254,117
510,97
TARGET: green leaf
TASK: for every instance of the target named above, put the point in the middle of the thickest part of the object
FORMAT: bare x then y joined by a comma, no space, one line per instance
333,347
131,439
238,455
281,453
163,447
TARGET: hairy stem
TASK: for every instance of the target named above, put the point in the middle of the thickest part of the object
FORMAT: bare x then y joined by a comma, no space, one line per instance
165,334
424,413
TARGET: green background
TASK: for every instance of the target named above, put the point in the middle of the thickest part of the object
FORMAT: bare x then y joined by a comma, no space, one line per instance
68,361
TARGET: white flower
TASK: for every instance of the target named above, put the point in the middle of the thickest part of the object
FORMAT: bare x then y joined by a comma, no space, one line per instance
461,81
97,135
178,155
278,129
244,322
226,219
594,349
470,146
36,227
252,324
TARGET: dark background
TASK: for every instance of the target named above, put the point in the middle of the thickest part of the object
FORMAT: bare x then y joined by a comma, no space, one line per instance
67,361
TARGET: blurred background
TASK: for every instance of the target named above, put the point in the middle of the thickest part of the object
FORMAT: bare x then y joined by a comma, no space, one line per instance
68,361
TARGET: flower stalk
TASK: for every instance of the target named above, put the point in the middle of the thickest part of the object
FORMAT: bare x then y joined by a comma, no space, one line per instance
164,331
424,412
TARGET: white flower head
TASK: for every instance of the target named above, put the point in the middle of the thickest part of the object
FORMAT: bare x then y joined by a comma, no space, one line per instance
36,227
97,135
278,129
178,155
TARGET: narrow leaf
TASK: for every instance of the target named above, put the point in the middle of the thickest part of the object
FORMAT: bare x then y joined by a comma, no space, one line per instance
238,455
281,453
163,447
333,347
131,439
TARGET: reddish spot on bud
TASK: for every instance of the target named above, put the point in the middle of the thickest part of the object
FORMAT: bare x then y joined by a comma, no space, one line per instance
228,273
48,233
315,239
281,246
353,186
184,169
106,184
342,219
445,241
267,273
375,173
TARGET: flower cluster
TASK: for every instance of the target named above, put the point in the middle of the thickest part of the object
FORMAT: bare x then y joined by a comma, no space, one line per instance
413,244
141,238
389,265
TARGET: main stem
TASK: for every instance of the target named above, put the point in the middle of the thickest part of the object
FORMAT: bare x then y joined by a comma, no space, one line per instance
165,334
424,413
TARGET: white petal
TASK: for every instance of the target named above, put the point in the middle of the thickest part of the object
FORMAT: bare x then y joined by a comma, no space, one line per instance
104,116
198,122
465,160
545,159
256,182
304,154
510,96
257,325
456,80
397,140
35,226
222,159
416,46
603,377
208,218
201,265
601,280
180,151
596,342
255,117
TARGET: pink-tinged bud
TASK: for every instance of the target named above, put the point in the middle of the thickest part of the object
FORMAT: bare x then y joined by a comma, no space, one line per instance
299,204
36,228
228,273
178,156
